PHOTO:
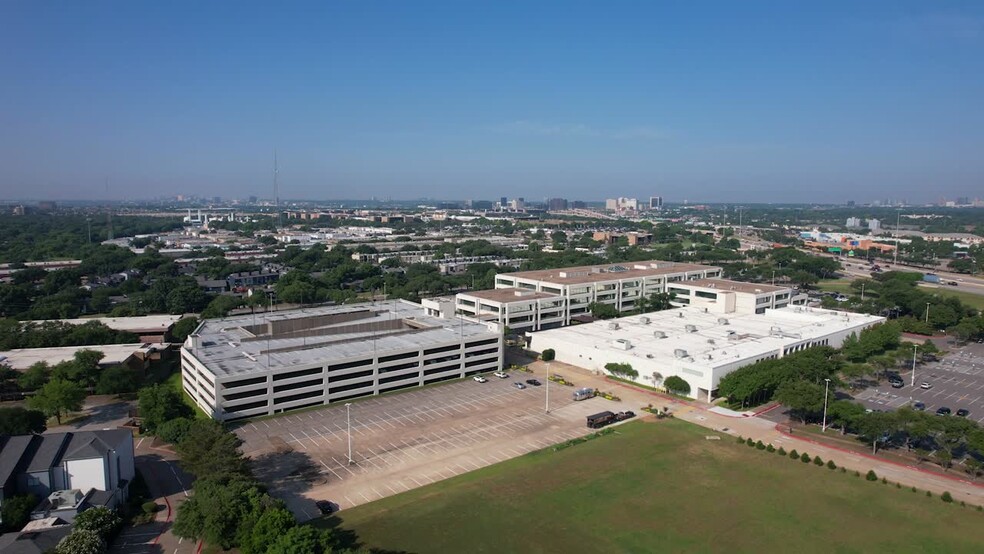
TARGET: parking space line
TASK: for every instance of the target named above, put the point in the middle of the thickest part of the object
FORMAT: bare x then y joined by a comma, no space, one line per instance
331,470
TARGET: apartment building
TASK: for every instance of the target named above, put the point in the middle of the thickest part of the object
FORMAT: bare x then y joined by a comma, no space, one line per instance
545,299
246,366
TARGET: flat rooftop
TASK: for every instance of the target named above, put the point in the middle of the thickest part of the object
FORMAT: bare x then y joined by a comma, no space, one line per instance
737,286
246,344
715,340
608,272
508,295
23,358
131,324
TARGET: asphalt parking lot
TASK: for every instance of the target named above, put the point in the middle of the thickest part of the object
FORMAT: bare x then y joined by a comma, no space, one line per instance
957,380
407,440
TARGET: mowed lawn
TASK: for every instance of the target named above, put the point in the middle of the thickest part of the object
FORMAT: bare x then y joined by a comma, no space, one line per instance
662,487
976,301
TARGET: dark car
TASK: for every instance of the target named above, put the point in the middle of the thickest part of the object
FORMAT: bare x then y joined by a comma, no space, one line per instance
919,406
533,382
943,411
326,507
628,414
963,412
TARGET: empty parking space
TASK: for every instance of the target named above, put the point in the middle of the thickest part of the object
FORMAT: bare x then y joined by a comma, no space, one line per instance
408,440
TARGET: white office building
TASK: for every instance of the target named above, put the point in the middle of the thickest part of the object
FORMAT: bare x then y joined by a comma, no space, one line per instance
246,366
550,298
698,346
722,296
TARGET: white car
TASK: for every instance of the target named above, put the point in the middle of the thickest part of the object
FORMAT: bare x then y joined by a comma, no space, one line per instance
501,375
926,385
480,379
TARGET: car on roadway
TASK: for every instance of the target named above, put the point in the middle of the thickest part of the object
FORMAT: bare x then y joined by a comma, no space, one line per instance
533,382
919,406
480,379
953,283
501,374
963,412
519,385
896,383
326,507
925,385
943,411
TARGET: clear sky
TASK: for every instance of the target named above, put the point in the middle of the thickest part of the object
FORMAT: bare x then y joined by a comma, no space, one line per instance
733,101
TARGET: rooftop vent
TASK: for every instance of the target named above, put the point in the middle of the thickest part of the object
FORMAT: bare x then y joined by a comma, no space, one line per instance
659,334
710,341
722,321
680,353
690,328
644,320
612,326
622,344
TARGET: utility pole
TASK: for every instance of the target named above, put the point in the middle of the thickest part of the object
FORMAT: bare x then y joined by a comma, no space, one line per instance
826,387
927,312
546,385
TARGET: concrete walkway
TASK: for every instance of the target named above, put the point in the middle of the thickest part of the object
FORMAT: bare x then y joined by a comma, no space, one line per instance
760,429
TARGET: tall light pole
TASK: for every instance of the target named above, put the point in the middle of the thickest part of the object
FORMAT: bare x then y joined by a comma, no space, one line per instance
927,312
546,385
348,418
912,382
898,219
826,387
862,291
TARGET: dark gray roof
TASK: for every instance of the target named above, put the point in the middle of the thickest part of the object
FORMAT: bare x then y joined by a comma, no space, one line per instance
12,449
33,542
48,452
93,444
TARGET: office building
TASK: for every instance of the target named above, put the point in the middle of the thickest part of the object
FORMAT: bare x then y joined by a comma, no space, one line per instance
545,299
262,364
655,202
555,204
874,225
853,222
723,296
621,204
697,346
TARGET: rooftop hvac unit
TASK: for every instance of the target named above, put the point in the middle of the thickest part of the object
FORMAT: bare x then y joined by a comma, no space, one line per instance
622,344
710,341
680,315
644,320
680,353
708,357
659,334
690,328
723,320
612,326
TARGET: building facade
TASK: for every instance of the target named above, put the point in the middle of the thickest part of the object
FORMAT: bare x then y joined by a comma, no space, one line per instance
242,366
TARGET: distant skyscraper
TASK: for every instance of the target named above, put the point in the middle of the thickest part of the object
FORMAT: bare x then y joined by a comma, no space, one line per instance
252,200
655,202
557,204
853,222
874,225
850,203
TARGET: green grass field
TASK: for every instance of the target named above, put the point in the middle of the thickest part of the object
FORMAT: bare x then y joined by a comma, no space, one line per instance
662,487
968,298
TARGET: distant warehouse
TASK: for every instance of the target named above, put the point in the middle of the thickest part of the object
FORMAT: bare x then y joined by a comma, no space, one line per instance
247,366
696,344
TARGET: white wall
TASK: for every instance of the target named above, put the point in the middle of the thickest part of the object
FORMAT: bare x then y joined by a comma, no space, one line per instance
86,474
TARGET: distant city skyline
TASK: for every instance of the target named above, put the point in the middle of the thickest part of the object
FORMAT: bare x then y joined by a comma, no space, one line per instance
709,102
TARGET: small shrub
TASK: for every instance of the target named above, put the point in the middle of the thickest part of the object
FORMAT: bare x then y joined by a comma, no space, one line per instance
898,485
741,439
770,448
817,460
548,355
781,451
914,489
980,508
805,458
884,481
843,470
857,474
794,454
149,507
963,504
946,497
750,442
760,445
929,494
871,475
831,465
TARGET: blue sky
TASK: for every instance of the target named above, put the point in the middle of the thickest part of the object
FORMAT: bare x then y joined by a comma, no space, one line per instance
703,101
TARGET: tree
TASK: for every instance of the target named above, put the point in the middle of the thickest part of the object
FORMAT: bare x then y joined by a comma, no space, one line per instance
677,385
183,328
302,539
85,367
210,452
17,511
548,355
81,542
57,397
174,430
222,513
20,421
804,399
622,370
35,377
160,403
99,519
603,311
118,379
271,525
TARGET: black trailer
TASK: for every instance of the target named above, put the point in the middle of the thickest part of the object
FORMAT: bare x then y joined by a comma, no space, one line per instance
599,420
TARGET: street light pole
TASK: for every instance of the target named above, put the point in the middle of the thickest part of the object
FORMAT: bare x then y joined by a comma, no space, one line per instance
826,387
912,382
546,385
927,312
348,418
862,292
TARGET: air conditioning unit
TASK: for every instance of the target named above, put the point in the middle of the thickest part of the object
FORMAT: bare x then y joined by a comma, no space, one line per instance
680,353
644,320
690,328
659,334
722,320
622,344
612,326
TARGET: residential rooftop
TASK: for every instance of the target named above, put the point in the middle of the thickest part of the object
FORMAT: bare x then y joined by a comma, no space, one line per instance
246,344
23,358
608,272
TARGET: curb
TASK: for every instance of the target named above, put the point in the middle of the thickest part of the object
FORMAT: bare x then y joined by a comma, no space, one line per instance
880,460
688,403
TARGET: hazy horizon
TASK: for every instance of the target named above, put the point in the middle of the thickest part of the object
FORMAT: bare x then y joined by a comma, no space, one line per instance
706,102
